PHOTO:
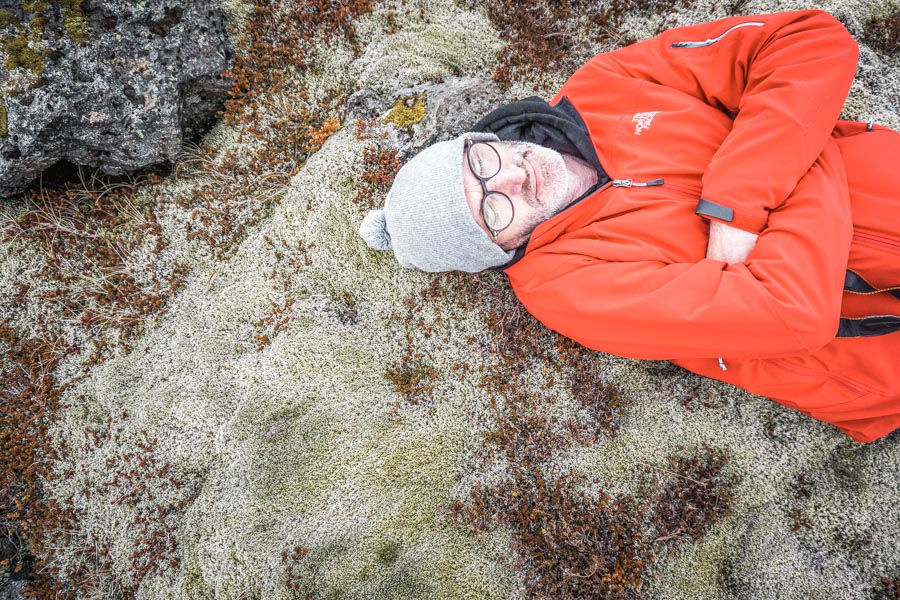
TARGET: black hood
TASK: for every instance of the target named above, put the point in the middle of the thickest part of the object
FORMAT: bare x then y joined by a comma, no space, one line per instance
533,120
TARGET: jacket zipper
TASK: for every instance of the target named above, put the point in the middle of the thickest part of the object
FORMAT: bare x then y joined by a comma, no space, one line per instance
804,371
629,183
711,41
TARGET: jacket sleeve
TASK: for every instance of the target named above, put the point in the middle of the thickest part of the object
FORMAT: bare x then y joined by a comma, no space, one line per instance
784,77
784,299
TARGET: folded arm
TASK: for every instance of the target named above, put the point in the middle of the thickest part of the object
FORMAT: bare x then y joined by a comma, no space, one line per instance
784,77
784,299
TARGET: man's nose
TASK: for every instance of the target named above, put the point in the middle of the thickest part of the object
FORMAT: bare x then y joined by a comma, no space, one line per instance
509,179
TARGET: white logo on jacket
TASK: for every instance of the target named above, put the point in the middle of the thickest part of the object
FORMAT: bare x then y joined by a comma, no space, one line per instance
643,121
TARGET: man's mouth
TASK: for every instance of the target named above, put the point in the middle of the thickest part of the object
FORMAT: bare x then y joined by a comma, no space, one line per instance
537,179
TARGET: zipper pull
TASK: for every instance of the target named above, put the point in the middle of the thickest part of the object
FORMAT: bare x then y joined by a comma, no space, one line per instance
627,183
722,365
706,42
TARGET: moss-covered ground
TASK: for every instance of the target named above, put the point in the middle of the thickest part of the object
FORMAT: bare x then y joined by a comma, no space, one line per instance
213,389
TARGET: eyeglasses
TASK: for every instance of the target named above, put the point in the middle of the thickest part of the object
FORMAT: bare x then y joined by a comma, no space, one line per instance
496,208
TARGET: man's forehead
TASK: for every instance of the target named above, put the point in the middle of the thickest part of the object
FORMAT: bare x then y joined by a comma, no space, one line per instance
500,145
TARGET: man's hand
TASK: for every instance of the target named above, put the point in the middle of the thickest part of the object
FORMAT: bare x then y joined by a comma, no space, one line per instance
728,243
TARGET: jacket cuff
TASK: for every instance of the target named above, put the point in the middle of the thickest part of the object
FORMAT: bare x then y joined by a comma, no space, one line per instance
740,220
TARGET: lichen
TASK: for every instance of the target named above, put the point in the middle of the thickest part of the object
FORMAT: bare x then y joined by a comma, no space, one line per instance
407,111
37,26
3,120
34,6
20,53
7,18
75,22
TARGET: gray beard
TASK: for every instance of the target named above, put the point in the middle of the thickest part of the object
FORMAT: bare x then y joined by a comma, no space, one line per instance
530,225
557,202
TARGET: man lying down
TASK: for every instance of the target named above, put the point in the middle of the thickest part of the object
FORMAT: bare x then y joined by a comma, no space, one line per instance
695,198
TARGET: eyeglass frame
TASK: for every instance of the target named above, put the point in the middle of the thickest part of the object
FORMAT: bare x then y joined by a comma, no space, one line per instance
483,181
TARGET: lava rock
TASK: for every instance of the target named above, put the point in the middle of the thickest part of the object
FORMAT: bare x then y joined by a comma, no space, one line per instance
451,108
112,84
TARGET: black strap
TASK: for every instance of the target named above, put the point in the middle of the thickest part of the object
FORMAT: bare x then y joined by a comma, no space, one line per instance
854,283
869,326
705,208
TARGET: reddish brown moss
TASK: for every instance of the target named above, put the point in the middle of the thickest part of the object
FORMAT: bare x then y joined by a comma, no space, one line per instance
853,543
135,480
541,35
698,399
86,233
291,562
289,261
698,495
573,544
273,323
381,168
883,33
803,487
347,309
86,237
599,399
799,520
30,397
414,380
535,34
889,589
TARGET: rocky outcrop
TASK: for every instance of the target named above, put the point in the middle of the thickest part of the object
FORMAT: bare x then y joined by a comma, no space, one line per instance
111,84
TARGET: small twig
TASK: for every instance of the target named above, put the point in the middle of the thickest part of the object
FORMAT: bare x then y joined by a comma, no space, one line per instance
666,537
574,574
668,471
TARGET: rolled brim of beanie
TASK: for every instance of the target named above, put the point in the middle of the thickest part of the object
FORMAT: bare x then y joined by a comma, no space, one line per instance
430,225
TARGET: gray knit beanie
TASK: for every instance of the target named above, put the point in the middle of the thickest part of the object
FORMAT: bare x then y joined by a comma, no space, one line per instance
426,220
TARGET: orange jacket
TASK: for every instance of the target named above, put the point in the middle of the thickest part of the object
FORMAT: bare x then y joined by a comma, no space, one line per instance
742,113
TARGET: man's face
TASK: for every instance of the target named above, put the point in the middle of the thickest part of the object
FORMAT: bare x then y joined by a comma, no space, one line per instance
535,180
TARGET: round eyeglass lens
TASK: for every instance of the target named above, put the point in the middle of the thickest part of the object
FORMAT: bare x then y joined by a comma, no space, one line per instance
484,160
497,210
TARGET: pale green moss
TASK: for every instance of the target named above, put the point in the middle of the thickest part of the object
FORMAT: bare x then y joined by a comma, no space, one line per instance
407,111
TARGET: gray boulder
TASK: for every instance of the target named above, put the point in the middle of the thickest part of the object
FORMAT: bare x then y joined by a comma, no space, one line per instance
112,84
